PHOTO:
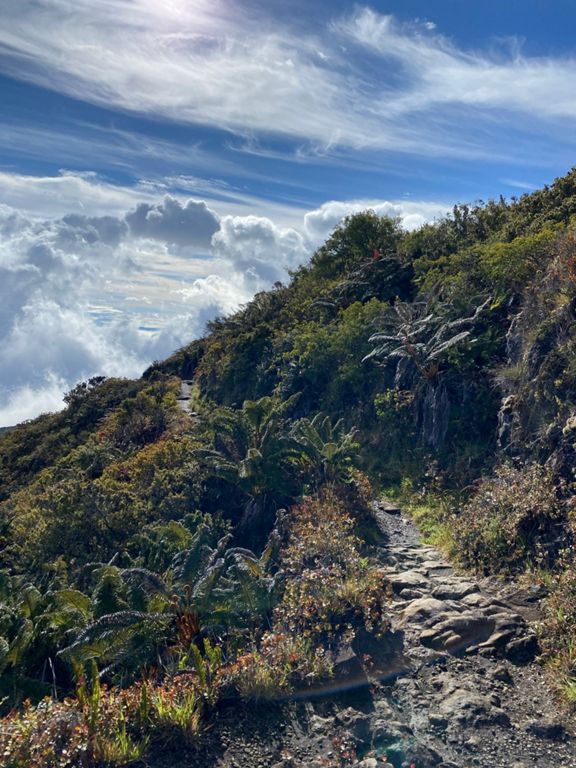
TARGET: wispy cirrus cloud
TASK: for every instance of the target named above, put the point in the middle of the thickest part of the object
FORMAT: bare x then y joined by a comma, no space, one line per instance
363,81
437,72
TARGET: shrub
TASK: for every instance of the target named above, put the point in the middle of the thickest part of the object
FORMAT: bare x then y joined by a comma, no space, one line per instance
176,711
279,665
510,523
558,628
331,589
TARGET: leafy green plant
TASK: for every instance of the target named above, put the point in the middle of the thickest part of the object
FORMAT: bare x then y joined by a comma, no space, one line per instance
418,334
176,713
256,453
329,448
207,666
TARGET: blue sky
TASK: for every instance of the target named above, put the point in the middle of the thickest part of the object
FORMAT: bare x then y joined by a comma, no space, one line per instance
162,160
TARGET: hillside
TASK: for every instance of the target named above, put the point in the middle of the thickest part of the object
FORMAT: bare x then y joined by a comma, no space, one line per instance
173,551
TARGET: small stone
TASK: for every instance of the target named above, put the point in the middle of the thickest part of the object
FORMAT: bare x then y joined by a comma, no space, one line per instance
487,652
437,721
473,742
410,594
320,724
368,762
502,675
383,708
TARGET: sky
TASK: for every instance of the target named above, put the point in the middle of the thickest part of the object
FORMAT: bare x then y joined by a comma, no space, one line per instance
163,160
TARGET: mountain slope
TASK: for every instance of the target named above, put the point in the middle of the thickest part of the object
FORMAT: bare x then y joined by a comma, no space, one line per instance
142,535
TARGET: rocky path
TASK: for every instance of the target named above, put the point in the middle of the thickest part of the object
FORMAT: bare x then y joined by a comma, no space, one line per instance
470,691
453,685
184,395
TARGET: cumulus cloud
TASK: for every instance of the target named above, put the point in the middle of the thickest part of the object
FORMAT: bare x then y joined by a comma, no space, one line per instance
259,248
170,221
28,401
318,224
106,294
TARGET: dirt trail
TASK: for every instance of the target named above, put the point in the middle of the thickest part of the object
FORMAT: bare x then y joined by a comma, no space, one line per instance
454,684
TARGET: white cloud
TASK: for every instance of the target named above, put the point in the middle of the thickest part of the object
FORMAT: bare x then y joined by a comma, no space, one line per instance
208,64
438,72
27,402
180,61
170,221
106,294
68,193
318,224
260,249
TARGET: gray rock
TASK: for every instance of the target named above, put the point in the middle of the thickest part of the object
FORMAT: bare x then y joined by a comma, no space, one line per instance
454,590
390,507
411,579
473,742
502,675
476,600
358,723
470,708
523,649
438,721
457,632
368,762
387,731
436,565
383,731
422,756
320,724
411,594
422,609
498,639
383,708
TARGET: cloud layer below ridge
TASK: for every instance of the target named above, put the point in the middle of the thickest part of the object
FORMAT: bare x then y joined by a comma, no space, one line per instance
84,295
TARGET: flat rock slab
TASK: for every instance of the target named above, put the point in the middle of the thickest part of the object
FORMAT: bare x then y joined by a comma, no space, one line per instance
456,632
422,609
411,579
454,590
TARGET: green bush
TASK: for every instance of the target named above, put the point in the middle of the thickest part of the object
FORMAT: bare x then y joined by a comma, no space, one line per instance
510,524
